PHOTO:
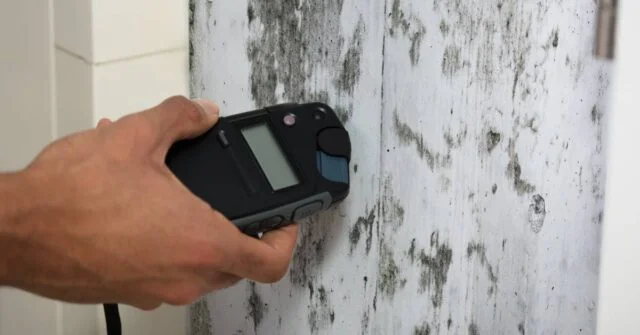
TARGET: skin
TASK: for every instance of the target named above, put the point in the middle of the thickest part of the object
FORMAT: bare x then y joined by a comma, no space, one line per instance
97,217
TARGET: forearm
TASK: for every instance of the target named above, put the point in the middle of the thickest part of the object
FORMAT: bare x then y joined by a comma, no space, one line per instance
14,206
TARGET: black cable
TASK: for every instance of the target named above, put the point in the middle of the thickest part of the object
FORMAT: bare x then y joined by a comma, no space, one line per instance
112,317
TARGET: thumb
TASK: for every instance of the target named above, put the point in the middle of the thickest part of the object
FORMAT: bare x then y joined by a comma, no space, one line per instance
179,118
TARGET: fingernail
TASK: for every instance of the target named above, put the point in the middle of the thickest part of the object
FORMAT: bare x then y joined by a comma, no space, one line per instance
209,108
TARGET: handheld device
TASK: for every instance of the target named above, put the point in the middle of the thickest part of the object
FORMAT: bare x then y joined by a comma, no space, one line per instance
265,168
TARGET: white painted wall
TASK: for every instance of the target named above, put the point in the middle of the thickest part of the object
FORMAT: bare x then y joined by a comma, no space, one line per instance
64,64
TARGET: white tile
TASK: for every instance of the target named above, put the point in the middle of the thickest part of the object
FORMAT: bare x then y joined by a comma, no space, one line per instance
73,28
129,86
26,81
126,28
74,93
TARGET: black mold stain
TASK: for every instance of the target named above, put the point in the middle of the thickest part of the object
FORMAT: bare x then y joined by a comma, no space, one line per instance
412,251
435,269
392,209
310,290
494,188
308,253
364,322
521,328
444,28
537,213
287,45
473,329
350,74
251,15
411,27
553,39
451,62
480,250
493,139
364,224
200,318
388,272
449,323
514,171
423,329
355,168
595,115
256,308
408,136
321,313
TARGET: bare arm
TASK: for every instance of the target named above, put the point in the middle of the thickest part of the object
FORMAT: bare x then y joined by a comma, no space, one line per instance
98,217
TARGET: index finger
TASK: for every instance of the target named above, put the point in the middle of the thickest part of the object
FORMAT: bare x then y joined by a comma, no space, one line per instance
265,260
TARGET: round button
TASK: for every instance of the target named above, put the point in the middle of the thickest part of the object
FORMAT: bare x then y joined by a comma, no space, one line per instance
289,120
319,114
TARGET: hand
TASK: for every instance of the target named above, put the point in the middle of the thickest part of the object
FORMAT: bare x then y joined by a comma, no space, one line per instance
106,220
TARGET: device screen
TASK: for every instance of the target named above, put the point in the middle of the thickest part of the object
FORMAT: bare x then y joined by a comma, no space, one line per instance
270,156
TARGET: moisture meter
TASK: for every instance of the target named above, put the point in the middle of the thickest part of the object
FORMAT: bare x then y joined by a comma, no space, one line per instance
265,168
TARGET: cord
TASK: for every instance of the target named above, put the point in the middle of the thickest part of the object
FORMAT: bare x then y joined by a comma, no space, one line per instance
112,318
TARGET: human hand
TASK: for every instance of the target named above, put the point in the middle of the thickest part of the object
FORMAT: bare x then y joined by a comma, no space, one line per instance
107,222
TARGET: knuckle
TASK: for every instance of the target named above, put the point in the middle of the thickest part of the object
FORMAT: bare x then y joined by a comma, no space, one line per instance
187,109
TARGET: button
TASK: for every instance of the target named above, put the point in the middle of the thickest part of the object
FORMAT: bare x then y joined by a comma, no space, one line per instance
271,223
289,120
222,138
307,210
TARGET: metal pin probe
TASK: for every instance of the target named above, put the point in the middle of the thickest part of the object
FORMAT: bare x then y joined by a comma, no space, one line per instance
606,29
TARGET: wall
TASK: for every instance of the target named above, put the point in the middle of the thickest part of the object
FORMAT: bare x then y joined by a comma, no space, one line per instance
64,65
478,171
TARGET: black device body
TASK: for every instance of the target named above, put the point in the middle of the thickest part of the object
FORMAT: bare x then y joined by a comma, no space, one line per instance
268,167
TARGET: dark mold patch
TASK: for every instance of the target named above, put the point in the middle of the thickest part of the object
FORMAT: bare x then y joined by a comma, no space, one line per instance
355,168
256,308
494,188
200,318
595,115
308,253
451,62
251,15
392,210
521,328
364,225
350,74
364,322
388,272
473,329
480,250
449,323
514,171
411,27
493,139
423,329
408,136
435,269
412,251
444,28
537,213
321,313
295,38
553,40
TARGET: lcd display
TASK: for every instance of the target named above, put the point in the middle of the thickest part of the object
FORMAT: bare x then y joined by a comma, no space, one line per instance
270,156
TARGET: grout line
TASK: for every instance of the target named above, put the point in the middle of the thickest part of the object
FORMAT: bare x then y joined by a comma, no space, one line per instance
120,60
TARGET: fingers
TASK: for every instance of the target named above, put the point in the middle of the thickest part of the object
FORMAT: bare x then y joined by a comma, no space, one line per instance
266,260
179,118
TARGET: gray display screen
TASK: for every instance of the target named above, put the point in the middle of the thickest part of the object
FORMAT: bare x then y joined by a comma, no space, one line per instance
270,156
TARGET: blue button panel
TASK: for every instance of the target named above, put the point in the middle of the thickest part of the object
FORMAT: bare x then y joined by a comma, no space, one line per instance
333,168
